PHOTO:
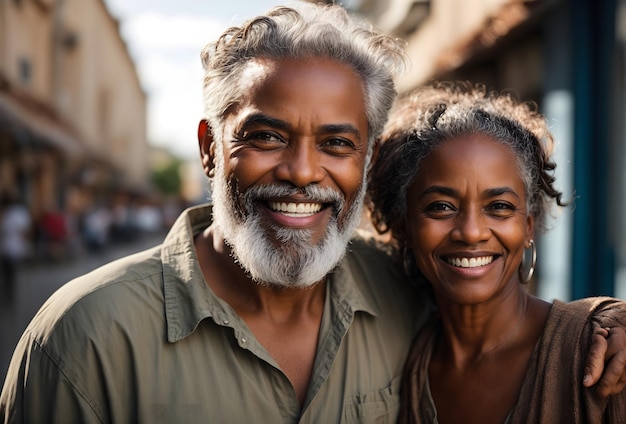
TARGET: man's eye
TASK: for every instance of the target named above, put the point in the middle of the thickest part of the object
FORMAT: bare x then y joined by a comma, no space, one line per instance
263,139
338,146
501,206
339,142
265,136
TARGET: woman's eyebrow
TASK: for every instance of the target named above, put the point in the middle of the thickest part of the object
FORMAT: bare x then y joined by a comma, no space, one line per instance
499,191
446,191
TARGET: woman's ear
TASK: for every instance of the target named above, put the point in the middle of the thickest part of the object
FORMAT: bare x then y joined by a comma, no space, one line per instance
530,228
206,143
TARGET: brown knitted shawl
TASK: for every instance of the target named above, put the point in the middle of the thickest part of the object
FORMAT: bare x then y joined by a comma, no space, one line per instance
552,391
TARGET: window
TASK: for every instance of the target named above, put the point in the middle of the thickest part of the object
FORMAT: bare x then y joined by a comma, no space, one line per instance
25,71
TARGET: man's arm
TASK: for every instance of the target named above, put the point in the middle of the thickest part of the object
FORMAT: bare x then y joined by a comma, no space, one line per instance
36,390
608,345
606,362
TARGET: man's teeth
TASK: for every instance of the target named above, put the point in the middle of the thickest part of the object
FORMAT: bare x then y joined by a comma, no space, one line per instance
470,262
296,209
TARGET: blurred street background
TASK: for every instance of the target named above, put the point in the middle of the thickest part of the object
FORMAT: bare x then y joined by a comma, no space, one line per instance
100,100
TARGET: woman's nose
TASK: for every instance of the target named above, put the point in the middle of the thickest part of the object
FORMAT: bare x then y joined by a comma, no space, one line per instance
471,227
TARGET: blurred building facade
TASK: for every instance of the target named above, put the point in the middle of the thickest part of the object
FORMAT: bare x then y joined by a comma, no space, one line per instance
72,109
568,56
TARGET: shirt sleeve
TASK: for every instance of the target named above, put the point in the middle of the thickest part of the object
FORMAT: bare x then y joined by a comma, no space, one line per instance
609,312
37,391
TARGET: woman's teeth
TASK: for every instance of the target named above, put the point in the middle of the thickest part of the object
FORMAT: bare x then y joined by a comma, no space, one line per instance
470,262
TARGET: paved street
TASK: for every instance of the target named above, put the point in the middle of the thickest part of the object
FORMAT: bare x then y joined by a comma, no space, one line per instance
36,282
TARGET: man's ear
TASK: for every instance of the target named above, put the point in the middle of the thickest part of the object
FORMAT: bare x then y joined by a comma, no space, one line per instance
206,144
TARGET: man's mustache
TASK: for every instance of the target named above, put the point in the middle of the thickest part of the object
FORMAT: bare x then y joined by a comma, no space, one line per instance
312,193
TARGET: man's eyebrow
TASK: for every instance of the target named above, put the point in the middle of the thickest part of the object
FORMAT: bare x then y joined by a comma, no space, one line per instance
339,129
260,118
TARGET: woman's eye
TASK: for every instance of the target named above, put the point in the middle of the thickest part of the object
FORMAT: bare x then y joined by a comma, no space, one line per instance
501,208
440,208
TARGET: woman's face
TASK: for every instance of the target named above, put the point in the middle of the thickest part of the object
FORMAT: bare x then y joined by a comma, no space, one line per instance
467,219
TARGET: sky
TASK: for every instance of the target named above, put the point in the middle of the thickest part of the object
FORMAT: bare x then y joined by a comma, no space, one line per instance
165,38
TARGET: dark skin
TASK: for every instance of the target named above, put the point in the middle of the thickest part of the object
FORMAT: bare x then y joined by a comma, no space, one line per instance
468,203
300,123
463,384
285,322
607,378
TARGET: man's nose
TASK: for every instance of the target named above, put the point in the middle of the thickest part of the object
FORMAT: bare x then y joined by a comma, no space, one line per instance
301,164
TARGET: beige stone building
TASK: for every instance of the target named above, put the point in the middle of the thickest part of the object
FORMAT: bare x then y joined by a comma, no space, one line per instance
72,109
445,36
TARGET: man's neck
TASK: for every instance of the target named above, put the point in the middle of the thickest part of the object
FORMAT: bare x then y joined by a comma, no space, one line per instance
231,283
286,321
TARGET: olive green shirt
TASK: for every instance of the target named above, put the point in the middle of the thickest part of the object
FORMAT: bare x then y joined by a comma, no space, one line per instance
144,339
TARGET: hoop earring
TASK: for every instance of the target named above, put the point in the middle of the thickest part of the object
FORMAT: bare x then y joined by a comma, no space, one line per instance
408,262
531,271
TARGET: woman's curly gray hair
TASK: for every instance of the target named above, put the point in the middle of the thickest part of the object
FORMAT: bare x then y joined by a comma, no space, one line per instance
309,31
430,116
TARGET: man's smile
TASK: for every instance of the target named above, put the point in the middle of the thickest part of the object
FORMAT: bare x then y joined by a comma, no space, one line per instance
295,209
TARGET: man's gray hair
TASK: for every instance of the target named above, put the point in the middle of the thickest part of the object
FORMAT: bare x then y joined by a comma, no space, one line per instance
310,31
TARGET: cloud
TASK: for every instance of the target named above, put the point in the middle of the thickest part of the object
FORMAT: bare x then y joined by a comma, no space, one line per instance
167,49
175,106
152,31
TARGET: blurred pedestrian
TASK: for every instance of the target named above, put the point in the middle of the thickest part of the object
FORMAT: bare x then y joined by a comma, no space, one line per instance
97,227
15,245
53,232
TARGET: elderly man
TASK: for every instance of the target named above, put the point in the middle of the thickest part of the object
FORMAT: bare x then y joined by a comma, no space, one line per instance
260,309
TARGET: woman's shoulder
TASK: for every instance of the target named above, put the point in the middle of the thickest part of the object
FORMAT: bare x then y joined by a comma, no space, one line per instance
600,308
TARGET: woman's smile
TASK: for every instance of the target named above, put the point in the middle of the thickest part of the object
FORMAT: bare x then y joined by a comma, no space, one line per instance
469,262
467,218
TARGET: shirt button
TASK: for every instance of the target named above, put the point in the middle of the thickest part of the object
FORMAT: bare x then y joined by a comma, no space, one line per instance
225,322
243,340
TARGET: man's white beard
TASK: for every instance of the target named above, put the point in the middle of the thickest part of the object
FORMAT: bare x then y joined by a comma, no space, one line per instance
292,260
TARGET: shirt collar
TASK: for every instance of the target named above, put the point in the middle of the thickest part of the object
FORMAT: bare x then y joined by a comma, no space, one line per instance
189,300
347,288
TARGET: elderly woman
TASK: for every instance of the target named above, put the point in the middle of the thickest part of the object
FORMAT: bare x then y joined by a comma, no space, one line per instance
462,182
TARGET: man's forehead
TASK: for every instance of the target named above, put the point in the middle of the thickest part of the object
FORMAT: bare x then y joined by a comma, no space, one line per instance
256,70
260,69
325,91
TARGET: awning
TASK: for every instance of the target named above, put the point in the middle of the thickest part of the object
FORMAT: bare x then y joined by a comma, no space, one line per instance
495,28
18,113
